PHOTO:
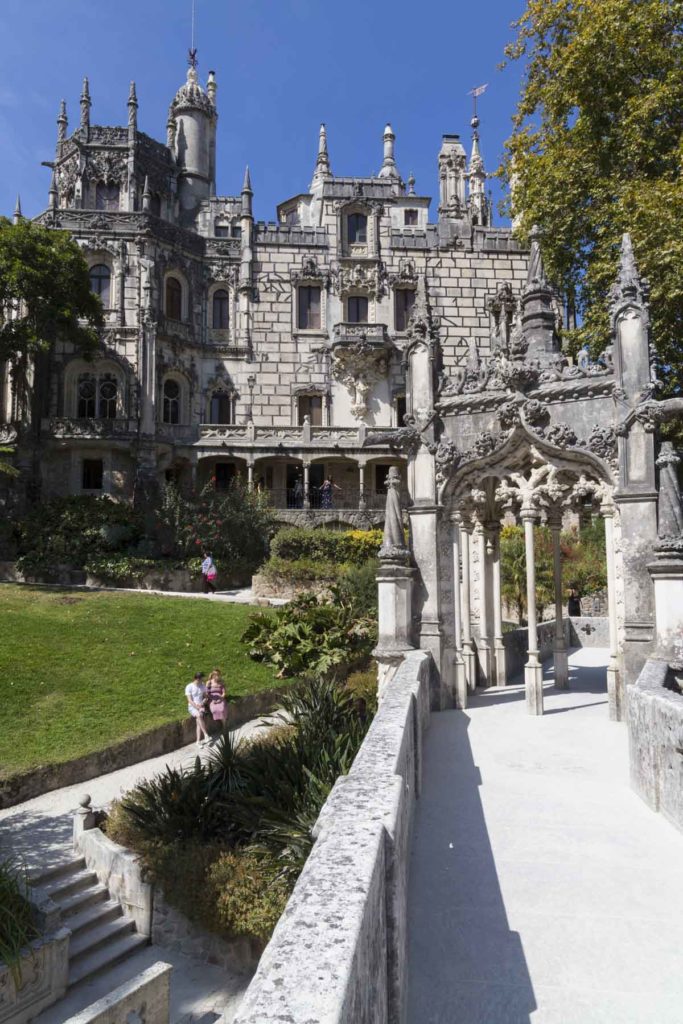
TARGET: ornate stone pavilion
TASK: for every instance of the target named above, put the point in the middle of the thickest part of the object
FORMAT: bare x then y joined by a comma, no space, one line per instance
524,435
266,350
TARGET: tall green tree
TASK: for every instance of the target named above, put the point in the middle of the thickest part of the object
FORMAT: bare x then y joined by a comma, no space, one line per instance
597,149
45,295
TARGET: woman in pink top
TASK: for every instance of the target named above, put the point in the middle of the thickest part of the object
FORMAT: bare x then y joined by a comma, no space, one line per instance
218,705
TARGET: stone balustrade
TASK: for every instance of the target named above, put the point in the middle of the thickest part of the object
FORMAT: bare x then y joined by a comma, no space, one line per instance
43,978
146,998
338,953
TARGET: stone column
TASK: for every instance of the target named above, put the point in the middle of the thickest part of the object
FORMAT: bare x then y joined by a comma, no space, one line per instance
362,504
460,674
250,476
468,653
394,590
307,486
560,658
484,651
500,661
607,510
533,670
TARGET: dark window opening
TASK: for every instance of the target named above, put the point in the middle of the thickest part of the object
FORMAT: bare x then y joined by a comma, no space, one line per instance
381,474
86,397
357,309
225,474
311,406
410,218
309,308
93,472
404,300
174,299
171,404
100,282
221,230
357,226
221,408
236,231
221,310
108,395
106,196
400,409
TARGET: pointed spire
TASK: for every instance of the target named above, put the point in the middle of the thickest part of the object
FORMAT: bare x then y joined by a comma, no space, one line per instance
629,285
476,176
132,107
53,194
17,210
62,122
323,170
389,168
247,193
86,103
146,196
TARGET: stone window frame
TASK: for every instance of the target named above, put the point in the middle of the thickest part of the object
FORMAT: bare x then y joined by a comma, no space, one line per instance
360,293
179,276
78,457
310,391
99,370
367,250
184,385
103,258
400,286
309,281
221,333
217,386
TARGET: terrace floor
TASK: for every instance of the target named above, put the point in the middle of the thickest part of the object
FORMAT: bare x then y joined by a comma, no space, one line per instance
542,890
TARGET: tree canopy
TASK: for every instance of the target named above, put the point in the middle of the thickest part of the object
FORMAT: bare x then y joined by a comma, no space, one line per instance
44,283
597,149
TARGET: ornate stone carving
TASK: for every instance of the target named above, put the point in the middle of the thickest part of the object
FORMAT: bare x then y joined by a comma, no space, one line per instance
406,276
406,439
8,434
422,327
669,506
447,458
368,278
603,442
561,436
629,286
509,415
393,550
535,413
109,167
358,366
309,271
502,306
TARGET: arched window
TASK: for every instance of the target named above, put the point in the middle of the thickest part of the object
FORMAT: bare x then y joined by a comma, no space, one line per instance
357,226
221,408
100,282
86,397
221,309
106,196
174,298
108,393
171,404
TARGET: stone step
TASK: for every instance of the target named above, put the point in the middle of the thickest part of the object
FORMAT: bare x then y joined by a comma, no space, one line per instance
84,898
105,957
93,916
212,1017
65,885
44,877
88,941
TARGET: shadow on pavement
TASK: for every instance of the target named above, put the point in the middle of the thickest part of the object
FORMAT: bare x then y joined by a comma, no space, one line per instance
465,965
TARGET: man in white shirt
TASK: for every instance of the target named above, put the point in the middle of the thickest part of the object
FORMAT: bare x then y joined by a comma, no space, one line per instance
196,696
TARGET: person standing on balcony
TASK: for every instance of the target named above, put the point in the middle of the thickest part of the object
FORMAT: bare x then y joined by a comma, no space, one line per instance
299,492
327,489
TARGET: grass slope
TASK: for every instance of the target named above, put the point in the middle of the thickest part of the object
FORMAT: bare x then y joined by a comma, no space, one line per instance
80,671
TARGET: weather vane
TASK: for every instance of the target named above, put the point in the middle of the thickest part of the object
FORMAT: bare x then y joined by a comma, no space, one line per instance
192,53
479,90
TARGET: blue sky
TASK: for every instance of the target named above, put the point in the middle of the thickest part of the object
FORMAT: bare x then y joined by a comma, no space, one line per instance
282,66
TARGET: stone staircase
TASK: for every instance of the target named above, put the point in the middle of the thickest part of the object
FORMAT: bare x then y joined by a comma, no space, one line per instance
101,934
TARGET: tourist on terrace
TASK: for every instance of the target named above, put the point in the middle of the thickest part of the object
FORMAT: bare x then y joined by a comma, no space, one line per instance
197,706
209,573
327,489
218,705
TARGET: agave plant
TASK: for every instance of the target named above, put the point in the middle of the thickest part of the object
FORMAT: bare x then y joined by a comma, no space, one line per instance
174,806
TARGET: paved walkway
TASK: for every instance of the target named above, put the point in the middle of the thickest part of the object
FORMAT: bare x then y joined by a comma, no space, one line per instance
542,889
239,595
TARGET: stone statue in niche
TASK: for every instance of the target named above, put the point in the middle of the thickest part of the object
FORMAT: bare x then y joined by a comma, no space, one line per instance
393,545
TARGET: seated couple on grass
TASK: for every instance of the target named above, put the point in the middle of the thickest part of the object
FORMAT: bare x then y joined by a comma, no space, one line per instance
206,700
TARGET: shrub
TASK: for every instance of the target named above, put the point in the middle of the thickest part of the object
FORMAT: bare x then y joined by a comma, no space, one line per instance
250,891
353,546
362,686
357,586
121,568
299,570
17,927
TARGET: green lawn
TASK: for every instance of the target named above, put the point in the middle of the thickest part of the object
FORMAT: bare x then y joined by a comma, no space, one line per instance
80,671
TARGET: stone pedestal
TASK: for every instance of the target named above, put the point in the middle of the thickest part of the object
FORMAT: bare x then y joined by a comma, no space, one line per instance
533,670
667,577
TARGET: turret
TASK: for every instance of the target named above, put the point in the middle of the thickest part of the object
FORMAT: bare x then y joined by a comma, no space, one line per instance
85,106
62,123
479,207
132,110
452,161
323,170
389,168
192,138
246,261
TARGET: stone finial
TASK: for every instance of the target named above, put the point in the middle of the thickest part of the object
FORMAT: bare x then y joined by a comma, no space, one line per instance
17,210
85,801
86,104
389,168
53,194
629,286
421,325
247,194
146,196
411,184
323,169
211,88
62,122
132,107
393,548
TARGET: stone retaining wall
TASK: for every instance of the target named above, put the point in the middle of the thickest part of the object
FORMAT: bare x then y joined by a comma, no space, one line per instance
655,730
147,998
163,739
173,931
44,978
338,953
585,631
118,869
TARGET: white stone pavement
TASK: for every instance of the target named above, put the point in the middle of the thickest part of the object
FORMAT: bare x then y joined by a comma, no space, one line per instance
542,889
238,595
40,831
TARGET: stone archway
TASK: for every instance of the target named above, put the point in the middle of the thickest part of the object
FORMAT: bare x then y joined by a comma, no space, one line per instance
536,481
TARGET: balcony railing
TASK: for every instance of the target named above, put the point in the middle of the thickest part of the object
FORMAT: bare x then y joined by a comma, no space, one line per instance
349,499
294,436
350,334
66,426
